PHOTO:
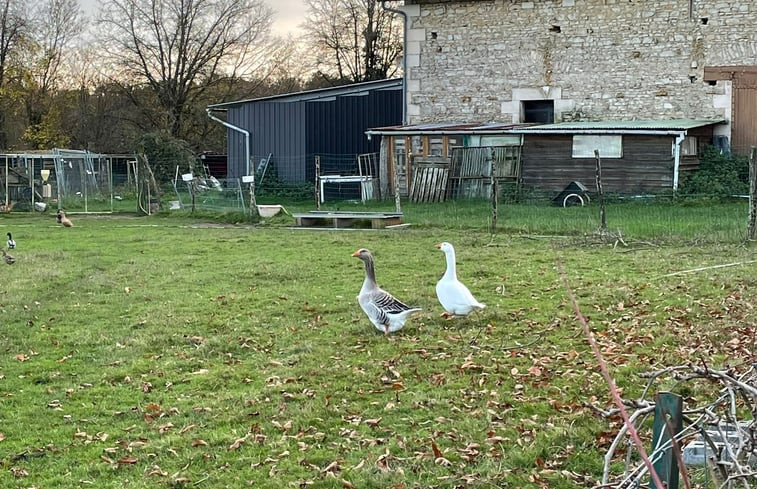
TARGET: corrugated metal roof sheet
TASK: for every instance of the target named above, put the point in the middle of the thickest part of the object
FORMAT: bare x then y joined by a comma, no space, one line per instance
641,125
448,128
352,89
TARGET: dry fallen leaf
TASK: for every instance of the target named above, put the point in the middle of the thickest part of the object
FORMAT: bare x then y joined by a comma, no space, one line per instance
19,472
437,453
156,470
237,443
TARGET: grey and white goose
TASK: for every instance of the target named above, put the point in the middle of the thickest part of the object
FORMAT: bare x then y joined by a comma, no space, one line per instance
385,311
7,258
11,242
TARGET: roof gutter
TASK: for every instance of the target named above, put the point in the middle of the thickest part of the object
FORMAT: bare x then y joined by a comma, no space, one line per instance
246,133
404,57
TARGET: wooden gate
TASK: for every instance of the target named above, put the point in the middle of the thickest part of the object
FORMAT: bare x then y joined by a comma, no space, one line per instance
471,170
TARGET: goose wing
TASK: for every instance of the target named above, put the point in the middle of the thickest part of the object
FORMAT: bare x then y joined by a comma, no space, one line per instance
387,303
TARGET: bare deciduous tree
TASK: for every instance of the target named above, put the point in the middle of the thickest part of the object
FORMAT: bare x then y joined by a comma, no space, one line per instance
179,48
55,24
13,27
357,40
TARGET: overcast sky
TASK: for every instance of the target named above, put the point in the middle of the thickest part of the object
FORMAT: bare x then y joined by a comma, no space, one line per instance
287,16
290,13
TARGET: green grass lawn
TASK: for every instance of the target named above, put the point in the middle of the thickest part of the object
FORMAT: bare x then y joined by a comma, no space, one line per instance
178,352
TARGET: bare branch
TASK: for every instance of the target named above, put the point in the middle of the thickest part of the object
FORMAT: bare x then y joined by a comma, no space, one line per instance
180,47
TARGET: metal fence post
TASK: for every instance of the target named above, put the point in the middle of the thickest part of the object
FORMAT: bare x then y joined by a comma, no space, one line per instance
667,418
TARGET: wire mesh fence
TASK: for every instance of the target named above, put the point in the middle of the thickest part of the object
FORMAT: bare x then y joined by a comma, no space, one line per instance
470,175
83,181
209,194
78,181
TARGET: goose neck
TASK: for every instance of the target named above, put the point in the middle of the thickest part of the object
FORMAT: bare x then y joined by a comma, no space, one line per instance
370,273
451,267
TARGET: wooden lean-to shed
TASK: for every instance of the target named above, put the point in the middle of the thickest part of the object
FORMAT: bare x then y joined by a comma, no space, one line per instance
645,156
290,130
430,162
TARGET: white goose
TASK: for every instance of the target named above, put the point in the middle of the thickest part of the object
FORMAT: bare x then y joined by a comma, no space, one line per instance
384,310
453,295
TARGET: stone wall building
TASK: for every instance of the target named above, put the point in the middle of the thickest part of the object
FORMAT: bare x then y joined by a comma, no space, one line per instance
514,61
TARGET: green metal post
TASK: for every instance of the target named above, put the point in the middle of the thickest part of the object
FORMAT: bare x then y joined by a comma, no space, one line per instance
667,411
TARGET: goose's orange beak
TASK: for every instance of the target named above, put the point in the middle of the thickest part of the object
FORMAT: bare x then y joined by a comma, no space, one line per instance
357,253
438,245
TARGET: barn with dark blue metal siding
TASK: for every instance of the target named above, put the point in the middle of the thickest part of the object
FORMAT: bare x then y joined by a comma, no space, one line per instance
294,128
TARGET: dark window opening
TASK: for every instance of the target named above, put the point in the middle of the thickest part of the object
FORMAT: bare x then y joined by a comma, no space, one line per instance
704,20
434,35
712,83
555,28
541,111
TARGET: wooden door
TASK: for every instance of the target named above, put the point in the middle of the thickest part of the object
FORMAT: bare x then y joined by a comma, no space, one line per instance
744,128
744,103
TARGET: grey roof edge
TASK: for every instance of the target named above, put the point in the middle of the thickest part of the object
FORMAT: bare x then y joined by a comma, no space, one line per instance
647,126
445,128
318,92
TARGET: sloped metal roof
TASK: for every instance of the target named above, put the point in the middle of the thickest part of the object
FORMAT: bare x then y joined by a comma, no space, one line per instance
351,89
446,128
621,126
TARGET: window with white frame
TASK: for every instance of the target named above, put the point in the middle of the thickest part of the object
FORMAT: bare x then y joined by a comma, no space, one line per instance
609,146
689,146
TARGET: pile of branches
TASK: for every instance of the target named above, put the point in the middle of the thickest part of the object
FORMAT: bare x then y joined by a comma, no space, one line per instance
727,425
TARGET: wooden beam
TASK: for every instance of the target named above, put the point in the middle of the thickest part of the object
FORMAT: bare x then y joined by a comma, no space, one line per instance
715,73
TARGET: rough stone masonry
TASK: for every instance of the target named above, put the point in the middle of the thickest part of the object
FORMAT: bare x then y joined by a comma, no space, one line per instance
475,61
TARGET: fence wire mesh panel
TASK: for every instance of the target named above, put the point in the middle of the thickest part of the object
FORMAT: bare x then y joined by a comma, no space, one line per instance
347,177
83,181
209,194
18,189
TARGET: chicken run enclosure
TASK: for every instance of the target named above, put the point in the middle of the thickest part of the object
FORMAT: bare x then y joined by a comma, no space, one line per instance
74,180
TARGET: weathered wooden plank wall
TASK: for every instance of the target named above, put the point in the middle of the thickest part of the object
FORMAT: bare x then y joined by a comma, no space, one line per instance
646,165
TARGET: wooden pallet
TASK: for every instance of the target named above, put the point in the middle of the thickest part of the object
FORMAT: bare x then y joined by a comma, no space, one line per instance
429,181
333,219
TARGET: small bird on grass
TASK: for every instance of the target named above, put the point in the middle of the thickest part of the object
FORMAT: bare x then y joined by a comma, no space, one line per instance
64,220
7,258
383,309
11,242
